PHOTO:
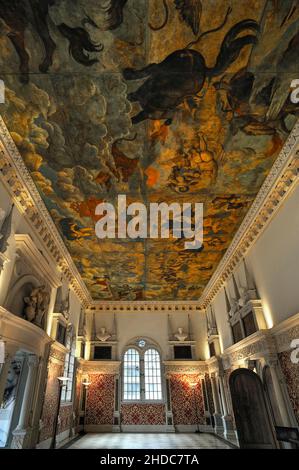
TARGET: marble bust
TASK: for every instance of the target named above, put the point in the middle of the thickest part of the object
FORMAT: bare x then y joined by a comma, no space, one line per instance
103,335
180,335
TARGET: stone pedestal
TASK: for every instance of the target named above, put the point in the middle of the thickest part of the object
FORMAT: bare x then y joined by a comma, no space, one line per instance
218,428
22,433
228,428
21,438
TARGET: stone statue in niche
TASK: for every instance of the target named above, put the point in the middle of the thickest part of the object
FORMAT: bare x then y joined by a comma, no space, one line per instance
37,305
62,305
234,307
103,335
65,307
181,335
5,230
244,296
2,215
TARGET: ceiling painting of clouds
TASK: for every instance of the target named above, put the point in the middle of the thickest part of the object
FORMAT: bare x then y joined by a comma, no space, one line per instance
160,100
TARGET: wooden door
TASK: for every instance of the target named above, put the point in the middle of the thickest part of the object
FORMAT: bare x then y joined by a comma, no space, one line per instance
253,421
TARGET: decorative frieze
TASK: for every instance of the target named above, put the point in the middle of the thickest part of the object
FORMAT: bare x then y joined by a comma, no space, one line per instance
99,367
256,346
185,367
285,332
57,353
144,306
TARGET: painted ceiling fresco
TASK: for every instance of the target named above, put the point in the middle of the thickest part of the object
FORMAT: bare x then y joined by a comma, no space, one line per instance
161,100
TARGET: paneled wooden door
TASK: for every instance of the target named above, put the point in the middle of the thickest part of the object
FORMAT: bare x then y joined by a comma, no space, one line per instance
254,423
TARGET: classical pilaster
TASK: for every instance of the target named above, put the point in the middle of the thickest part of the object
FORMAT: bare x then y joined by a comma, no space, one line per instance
169,414
217,415
116,413
205,402
22,433
227,420
10,351
277,385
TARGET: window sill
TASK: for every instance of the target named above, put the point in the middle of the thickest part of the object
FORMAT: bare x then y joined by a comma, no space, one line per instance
142,402
66,403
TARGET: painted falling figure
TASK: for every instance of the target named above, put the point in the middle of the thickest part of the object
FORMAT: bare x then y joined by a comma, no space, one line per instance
183,73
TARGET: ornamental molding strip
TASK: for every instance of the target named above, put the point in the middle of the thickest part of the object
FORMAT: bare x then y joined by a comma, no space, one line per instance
256,346
281,180
144,306
99,367
185,368
26,197
285,332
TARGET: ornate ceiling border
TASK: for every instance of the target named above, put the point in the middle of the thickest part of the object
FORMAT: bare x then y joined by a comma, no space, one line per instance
25,195
145,306
281,180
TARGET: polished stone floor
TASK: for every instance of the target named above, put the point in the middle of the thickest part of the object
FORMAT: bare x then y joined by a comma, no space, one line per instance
148,441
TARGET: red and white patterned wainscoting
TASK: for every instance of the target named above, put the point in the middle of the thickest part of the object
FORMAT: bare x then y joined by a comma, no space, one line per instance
143,414
187,403
100,399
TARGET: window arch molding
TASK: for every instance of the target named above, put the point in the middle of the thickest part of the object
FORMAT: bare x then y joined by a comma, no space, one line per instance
142,366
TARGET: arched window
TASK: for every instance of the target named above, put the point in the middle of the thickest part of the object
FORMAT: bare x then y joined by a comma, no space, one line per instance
142,374
132,375
152,375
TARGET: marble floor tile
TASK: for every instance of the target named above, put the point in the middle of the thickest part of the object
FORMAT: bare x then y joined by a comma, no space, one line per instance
148,441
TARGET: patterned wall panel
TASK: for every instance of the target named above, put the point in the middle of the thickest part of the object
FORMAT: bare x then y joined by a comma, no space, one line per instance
51,401
209,394
291,373
135,414
187,404
100,399
78,389
65,417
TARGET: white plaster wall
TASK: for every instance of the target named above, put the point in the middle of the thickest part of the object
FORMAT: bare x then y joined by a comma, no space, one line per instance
154,325
273,262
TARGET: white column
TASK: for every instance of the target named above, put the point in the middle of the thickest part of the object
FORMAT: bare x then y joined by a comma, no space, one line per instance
205,398
215,396
229,432
273,365
223,396
216,400
28,393
10,351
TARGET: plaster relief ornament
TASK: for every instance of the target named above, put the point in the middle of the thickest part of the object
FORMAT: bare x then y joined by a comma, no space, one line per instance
103,335
181,335
37,305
